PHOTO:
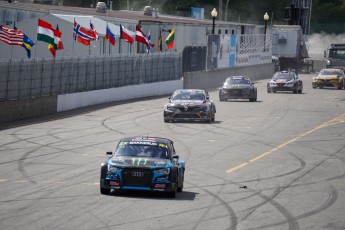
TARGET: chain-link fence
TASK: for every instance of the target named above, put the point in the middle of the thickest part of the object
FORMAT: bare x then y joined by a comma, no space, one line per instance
37,78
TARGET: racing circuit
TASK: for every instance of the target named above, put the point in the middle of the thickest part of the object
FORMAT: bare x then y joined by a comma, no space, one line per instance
277,163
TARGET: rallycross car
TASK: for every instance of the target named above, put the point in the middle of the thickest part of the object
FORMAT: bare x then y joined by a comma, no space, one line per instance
329,78
238,87
143,163
285,81
189,104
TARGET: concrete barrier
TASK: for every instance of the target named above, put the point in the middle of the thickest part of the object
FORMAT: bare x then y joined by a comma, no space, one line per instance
83,99
214,78
27,108
30,108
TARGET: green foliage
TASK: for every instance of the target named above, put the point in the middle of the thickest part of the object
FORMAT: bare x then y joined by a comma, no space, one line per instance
324,12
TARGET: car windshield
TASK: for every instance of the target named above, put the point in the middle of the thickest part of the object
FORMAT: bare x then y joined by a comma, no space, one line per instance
142,150
237,81
188,95
287,76
330,72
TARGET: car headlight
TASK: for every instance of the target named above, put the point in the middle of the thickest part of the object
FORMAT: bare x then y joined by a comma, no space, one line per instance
164,171
112,168
290,83
272,83
328,62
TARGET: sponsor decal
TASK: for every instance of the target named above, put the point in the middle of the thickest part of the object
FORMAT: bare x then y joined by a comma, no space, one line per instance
163,145
138,161
160,186
114,183
143,143
281,81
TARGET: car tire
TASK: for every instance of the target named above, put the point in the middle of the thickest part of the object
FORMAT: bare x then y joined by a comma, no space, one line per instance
166,120
222,99
105,191
180,188
268,90
171,194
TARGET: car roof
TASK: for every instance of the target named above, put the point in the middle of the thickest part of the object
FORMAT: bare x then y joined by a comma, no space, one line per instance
148,139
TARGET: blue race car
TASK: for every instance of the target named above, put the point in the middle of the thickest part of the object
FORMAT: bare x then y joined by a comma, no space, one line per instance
143,163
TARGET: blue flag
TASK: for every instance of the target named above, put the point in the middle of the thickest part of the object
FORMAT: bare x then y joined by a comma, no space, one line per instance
27,42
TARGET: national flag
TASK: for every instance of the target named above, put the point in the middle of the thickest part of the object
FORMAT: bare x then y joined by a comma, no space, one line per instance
27,42
141,37
92,28
45,33
160,41
110,36
149,39
83,35
124,34
11,37
60,45
170,39
57,41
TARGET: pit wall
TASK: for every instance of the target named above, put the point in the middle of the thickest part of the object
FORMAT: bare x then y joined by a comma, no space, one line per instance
36,107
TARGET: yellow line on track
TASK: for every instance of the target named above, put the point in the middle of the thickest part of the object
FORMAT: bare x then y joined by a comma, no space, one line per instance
337,120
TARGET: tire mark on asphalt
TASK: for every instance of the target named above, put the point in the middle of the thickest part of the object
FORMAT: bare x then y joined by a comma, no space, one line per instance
332,198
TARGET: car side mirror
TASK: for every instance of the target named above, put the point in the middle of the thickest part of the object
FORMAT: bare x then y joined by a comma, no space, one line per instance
109,153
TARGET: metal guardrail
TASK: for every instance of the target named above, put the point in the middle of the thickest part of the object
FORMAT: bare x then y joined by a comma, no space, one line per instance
37,78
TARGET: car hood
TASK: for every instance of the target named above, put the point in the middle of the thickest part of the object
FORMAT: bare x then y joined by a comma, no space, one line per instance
329,77
138,162
187,102
237,86
281,80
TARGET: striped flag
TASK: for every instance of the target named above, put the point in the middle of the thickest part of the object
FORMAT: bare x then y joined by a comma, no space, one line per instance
141,37
160,48
57,42
45,33
11,37
170,39
110,36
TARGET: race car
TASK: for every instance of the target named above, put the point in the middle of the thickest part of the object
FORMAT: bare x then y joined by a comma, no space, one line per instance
189,104
285,81
143,163
329,78
238,87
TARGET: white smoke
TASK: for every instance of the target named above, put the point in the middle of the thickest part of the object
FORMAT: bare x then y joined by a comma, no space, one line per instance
318,43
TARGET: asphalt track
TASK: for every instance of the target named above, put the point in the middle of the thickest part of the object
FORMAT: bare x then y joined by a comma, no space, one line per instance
277,163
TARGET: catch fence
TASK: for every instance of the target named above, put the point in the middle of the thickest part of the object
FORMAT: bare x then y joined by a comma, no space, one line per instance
25,79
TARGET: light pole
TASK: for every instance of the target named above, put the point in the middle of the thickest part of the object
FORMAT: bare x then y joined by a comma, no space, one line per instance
266,17
214,14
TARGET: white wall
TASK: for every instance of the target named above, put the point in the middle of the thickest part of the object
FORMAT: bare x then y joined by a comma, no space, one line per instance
83,99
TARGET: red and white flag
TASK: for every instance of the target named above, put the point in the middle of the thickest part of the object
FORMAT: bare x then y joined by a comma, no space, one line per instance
141,37
124,34
11,37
